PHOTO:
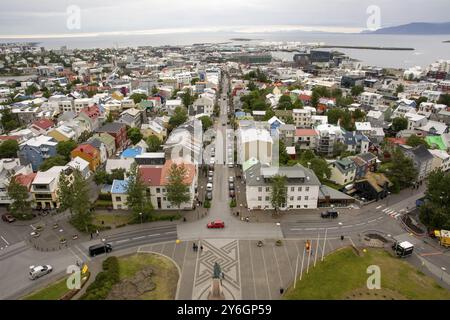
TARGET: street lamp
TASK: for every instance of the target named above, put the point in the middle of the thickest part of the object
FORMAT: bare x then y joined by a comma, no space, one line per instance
140,214
443,270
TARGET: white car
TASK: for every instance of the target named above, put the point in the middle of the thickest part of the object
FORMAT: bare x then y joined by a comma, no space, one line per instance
35,234
39,271
209,186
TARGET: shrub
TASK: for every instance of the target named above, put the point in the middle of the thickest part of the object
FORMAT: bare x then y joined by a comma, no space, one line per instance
206,204
104,281
233,203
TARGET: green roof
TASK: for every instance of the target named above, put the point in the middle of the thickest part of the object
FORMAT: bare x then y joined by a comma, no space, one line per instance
249,163
436,140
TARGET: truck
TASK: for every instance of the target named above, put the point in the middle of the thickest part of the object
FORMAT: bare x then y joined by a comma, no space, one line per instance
403,249
443,236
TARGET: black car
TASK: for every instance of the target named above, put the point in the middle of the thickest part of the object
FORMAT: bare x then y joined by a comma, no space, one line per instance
99,249
329,214
230,185
209,195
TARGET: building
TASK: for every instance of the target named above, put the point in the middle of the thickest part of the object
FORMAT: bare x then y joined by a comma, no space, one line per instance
131,117
343,171
370,98
35,150
355,142
45,186
303,118
89,153
329,136
441,160
286,134
302,187
422,159
254,142
81,165
203,105
306,139
9,168
185,143
119,194
374,186
118,131
41,126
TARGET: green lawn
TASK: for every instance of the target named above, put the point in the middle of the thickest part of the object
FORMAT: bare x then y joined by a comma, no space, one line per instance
343,275
165,274
54,291
111,219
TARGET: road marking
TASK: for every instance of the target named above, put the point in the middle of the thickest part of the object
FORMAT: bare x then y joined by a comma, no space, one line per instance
370,221
296,229
310,229
253,269
380,218
154,235
170,232
7,243
360,224
124,240
278,266
267,276
136,238
378,207
332,228
385,209
349,226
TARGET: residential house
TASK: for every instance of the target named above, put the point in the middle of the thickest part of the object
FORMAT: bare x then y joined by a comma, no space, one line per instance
375,118
441,160
112,164
89,153
119,194
81,165
154,128
36,150
108,141
203,105
100,146
415,121
131,117
63,133
185,143
302,187
355,142
118,131
287,134
329,136
374,186
370,98
8,169
433,128
90,117
41,126
343,171
303,117
306,139
253,142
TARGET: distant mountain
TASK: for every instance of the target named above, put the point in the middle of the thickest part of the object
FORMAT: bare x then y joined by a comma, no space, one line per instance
415,28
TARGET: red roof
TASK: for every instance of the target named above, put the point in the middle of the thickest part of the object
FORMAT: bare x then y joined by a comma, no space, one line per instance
190,172
86,149
396,140
305,132
25,179
4,138
43,123
304,97
150,175
92,111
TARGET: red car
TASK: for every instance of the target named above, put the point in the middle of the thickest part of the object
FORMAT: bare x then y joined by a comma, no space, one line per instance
216,224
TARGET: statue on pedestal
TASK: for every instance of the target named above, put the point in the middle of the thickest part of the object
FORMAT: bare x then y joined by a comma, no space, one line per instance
216,292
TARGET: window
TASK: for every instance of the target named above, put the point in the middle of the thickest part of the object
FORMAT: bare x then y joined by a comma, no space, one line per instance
259,189
118,198
267,189
306,198
291,198
299,206
292,189
291,206
300,189
158,190
259,198
164,199
299,198
267,198
305,206
307,189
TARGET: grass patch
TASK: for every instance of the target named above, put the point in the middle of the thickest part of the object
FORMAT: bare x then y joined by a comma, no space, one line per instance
54,291
111,219
165,274
343,275
331,184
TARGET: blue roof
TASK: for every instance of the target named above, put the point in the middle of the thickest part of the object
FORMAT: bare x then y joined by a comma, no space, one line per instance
132,152
119,186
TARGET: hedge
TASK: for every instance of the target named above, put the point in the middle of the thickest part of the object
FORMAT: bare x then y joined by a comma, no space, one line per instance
104,281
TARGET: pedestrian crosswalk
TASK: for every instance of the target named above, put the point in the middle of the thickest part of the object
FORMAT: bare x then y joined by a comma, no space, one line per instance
393,213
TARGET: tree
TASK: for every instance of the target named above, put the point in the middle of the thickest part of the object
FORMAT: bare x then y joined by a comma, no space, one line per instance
420,100
101,177
414,141
179,117
435,213
399,124
110,118
65,193
137,199
285,103
48,163
20,207
155,90
81,204
320,168
64,148
8,120
283,155
85,135
444,99
278,196
154,144
138,97
356,90
358,115
187,98
177,189
298,104
9,149
401,171
334,115
206,122
135,135
400,88
269,114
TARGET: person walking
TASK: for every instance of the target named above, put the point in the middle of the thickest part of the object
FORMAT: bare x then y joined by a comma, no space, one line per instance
201,248
281,290
91,236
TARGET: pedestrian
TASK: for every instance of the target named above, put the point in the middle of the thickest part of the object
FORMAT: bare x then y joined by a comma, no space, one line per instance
281,290
193,246
91,235
201,248
97,232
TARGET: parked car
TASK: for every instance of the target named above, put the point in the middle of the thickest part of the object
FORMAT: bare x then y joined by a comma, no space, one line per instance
230,179
209,186
216,224
232,193
230,165
231,186
8,218
329,214
209,195
39,271
210,179
35,234
210,173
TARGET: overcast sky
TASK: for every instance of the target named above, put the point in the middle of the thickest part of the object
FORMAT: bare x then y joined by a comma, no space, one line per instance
47,17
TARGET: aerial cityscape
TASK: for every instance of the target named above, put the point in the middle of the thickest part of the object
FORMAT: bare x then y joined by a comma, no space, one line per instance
225,164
